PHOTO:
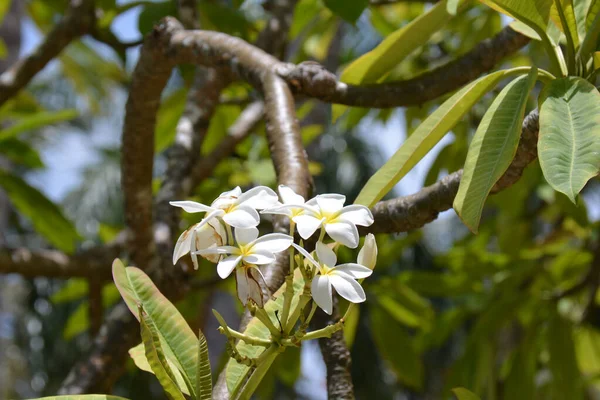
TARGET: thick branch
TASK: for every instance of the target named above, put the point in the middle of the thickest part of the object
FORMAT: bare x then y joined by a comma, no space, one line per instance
313,80
411,212
78,20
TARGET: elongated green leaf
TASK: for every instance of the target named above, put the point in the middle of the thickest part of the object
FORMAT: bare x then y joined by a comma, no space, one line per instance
83,397
569,143
138,355
464,394
427,135
520,383
492,149
348,10
236,372
565,22
535,13
203,377
36,121
452,6
372,66
592,30
21,153
177,339
47,219
591,14
156,357
566,378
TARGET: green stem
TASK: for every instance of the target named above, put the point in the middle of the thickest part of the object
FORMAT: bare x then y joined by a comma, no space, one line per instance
295,316
264,362
288,295
266,320
246,338
324,332
545,77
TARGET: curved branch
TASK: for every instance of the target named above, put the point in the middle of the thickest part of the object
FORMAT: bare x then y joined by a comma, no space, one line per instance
411,212
78,20
313,80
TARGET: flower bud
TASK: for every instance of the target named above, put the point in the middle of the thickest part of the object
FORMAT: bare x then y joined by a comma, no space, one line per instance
367,256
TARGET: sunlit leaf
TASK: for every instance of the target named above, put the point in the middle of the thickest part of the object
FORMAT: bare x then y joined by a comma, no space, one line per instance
167,118
569,143
138,355
36,121
492,149
567,18
203,377
47,219
535,13
427,135
464,394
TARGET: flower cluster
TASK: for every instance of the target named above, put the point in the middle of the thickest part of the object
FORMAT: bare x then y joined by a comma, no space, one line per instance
228,236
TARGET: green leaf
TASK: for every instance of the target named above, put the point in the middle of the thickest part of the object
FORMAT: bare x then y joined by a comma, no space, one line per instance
492,149
203,376
167,118
566,378
83,397
535,13
154,12
47,219
452,7
156,357
569,142
4,7
591,14
237,373
36,121
177,339
464,394
563,15
592,31
427,135
138,355
372,66
348,10
78,321
397,348
21,153
520,383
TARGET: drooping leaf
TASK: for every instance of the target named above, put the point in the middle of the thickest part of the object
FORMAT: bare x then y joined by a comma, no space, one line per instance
427,135
138,355
47,219
156,357
372,66
203,377
177,339
36,121
464,394
492,149
348,10
569,143
566,378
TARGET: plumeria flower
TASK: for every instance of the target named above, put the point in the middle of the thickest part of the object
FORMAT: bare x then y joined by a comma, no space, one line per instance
338,221
367,256
250,251
237,209
295,208
200,236
342,277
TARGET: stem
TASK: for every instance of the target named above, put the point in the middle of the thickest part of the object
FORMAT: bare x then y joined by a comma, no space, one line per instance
289,281
322,235
264,362
324,332
246,338
545,77
304,299
266,320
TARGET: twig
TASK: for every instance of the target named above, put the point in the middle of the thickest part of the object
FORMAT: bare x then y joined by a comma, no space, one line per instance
96,307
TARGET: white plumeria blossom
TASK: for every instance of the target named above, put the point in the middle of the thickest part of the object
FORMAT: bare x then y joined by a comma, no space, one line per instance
250,249
338,221
367,256
200,236
341,277
293,205
235,208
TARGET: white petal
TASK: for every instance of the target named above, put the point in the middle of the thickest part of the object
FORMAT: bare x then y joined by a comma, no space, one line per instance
273,242
191,206
354,270
357,214
279,210
307,256
326,255
227,265
321,293
259,198
259,258
182,247
288,195
343,232
243,236
347,287
367,256
235,192
256,282
331,203
241,282
242,217
306,225
219,250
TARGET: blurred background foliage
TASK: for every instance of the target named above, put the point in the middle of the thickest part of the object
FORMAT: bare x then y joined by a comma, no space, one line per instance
509,313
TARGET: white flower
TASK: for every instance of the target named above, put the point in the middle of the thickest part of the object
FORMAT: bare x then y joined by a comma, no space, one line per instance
200,236
237,209
249,249
249,282
338,221
367,256
342,278
294,207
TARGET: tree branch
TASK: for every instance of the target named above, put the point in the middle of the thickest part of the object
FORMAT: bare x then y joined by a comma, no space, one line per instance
411,212
78,20
313,80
